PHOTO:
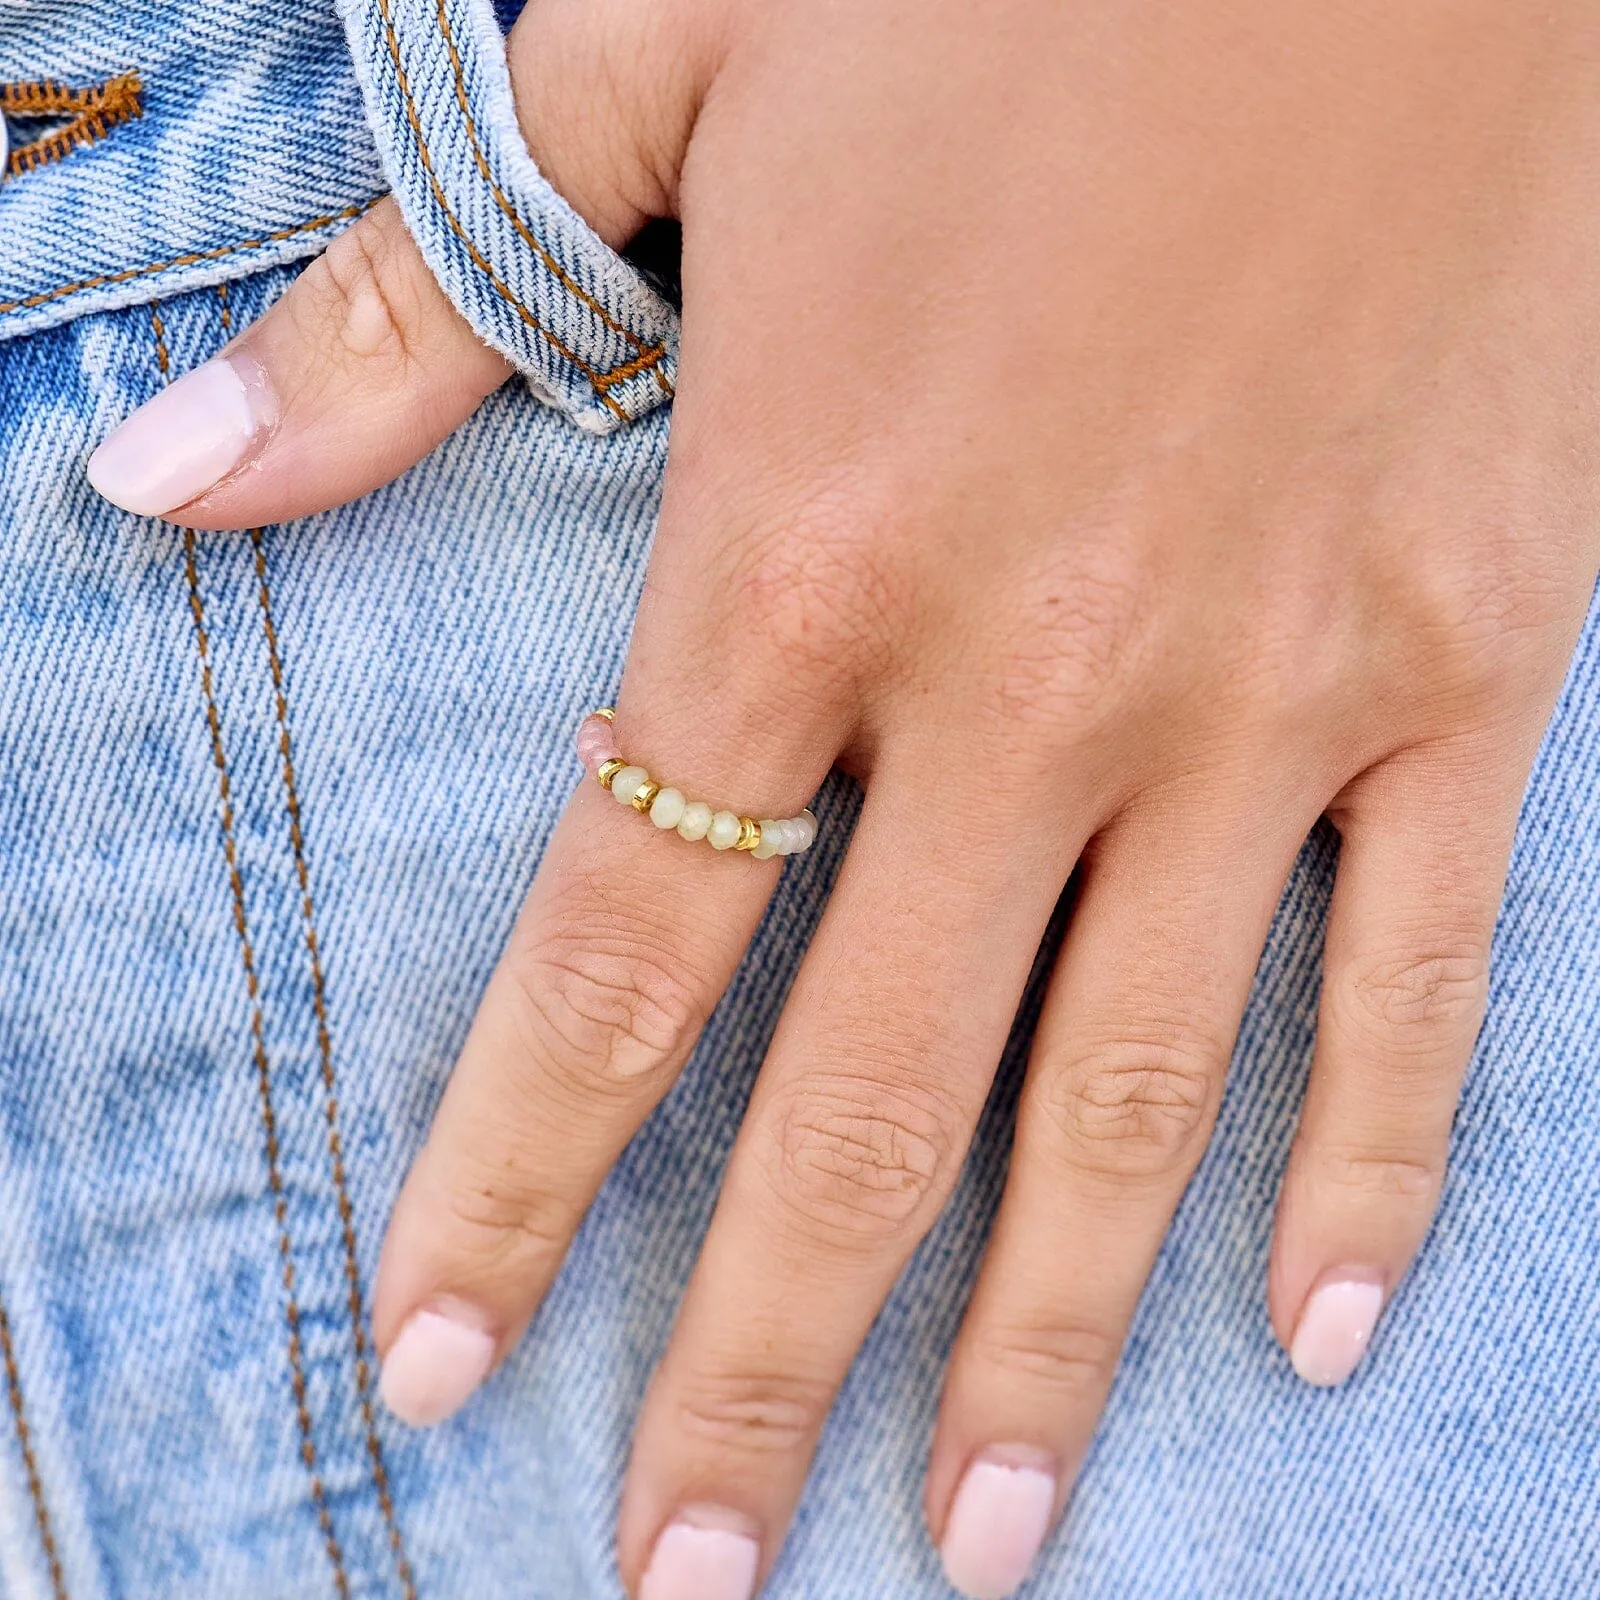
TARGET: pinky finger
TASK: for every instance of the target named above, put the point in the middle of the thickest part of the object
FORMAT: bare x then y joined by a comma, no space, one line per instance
1405,983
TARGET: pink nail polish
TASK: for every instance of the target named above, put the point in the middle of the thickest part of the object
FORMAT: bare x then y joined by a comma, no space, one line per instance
440,1358
1335,1327
998,1523
190,436
704,1554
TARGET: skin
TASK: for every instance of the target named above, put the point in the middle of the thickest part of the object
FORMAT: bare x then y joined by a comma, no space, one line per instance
1119,434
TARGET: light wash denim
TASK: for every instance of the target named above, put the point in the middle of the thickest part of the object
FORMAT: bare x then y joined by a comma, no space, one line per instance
268,804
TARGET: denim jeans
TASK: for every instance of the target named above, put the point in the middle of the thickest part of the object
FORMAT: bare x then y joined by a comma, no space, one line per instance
268,804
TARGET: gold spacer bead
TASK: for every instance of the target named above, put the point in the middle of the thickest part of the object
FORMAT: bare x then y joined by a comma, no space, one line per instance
646,797
608,712
607,770
749,834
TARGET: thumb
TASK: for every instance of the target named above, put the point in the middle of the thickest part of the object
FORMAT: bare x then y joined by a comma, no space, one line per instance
363,365
357,372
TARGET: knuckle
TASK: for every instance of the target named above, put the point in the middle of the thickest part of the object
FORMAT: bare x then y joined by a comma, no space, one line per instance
858,1160
1421,997
1069,1359
1482,626
362,293
1072,644
499,1213
1374,1175
823,595
760,1414
615,1016
1133,1109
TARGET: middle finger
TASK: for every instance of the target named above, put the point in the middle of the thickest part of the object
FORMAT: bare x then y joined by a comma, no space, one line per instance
853,1139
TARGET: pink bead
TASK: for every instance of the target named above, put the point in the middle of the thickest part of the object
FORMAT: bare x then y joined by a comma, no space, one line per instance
596,744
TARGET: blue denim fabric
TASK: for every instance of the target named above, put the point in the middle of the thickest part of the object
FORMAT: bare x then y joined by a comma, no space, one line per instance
251,151
268,805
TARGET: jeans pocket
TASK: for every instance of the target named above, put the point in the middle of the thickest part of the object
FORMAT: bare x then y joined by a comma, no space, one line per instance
579,321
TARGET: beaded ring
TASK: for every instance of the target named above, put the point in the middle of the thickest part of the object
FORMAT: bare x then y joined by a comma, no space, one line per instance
668,808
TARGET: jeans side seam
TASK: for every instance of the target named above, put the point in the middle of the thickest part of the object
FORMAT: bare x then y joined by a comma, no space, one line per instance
108,279
447,35
94,112
30,1461
335,1140
601,382
263,1064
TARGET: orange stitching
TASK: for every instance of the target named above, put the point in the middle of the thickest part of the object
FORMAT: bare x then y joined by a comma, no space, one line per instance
600,382
263,1065
44,97
447,34
596,380
105,280
94,112
639,364
352,1267
41,1514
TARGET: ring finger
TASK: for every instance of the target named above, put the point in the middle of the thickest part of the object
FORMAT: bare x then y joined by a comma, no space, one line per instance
1122,1087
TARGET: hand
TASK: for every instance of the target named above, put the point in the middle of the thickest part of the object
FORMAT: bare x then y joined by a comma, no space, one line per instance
1119,434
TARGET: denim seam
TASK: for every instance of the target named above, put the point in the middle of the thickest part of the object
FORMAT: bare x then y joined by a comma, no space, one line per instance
263,1064
352,1265
30,1462
655,352
601,382
94,113
105,280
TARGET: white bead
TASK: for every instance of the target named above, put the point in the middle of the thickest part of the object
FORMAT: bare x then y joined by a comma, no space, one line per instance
724,831
627,784
666,810
695,821
771,840
795,838
808,829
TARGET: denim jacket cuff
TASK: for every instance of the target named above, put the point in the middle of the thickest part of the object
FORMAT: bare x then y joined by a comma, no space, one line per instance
534,280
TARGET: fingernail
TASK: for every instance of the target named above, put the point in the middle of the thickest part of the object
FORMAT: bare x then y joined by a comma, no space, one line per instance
1335,1328
191,436
440,1357
997,1523
704,1554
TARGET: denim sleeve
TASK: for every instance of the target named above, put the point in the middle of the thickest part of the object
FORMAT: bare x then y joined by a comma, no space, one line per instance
533,279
